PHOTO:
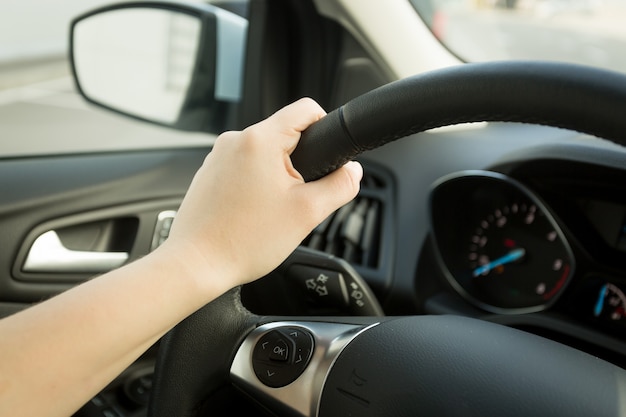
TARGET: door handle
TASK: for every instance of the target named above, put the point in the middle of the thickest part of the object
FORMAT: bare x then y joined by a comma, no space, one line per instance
48,254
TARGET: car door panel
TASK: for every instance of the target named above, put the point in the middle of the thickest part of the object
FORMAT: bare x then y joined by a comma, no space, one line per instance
94,203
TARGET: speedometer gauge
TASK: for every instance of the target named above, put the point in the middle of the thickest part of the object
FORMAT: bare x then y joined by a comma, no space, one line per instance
610,304
498,244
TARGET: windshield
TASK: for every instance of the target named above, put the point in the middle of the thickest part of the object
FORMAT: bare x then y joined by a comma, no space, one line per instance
590,32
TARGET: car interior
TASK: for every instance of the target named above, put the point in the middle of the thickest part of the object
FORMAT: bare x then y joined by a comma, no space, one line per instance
480,271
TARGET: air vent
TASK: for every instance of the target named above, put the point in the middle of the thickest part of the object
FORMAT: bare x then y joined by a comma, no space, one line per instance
355,231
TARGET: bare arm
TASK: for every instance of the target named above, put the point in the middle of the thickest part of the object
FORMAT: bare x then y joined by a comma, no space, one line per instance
57,355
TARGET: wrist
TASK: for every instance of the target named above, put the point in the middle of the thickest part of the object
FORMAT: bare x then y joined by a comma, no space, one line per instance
207,276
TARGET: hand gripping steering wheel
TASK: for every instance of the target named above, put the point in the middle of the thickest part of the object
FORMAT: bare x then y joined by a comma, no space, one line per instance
405,366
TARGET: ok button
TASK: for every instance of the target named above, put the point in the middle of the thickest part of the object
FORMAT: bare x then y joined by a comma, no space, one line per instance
279,351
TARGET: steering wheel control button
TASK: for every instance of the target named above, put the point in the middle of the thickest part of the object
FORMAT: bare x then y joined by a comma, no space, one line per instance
279,351
273,347
280,356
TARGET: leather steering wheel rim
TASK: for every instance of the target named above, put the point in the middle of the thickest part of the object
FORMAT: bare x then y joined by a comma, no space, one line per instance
195,357
575,97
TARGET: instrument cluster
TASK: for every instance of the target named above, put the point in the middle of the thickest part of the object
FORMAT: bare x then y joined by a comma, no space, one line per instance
507,250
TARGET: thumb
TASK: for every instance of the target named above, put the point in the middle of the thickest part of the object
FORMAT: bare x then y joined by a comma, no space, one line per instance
335,189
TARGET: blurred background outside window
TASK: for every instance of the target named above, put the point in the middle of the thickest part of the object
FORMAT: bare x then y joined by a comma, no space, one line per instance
34,37
588,32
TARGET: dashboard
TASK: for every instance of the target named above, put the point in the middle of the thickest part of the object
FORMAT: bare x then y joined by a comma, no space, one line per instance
534,239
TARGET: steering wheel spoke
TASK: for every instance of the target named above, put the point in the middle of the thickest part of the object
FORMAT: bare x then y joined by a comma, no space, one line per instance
284,364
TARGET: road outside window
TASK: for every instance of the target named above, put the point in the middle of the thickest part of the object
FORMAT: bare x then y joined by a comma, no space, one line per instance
588,32
40,111
34,38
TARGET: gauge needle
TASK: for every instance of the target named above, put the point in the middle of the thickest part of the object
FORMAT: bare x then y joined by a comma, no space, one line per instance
600,303
512,256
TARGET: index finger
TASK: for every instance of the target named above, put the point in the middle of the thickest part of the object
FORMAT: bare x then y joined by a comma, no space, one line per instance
291,120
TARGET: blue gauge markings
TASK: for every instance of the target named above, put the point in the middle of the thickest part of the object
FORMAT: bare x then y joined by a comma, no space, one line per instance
512,256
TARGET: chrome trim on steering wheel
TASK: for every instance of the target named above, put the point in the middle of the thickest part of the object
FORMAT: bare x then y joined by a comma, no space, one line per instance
301,397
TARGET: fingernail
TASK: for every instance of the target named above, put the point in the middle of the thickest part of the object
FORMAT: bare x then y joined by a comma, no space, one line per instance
356,169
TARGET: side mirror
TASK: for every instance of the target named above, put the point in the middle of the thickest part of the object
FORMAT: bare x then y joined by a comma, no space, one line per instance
178,65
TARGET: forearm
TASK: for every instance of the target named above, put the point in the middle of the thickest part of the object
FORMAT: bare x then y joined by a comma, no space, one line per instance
68,348
57,355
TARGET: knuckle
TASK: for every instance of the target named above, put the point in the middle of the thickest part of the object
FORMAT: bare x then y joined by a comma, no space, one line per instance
225,139
252,139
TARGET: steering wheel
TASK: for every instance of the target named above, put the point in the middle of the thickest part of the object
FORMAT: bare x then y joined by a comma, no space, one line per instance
406,366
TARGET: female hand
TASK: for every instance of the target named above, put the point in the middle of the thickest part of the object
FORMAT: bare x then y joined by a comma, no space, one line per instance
248,208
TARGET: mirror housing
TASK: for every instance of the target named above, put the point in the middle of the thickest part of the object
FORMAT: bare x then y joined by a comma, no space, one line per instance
174,64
